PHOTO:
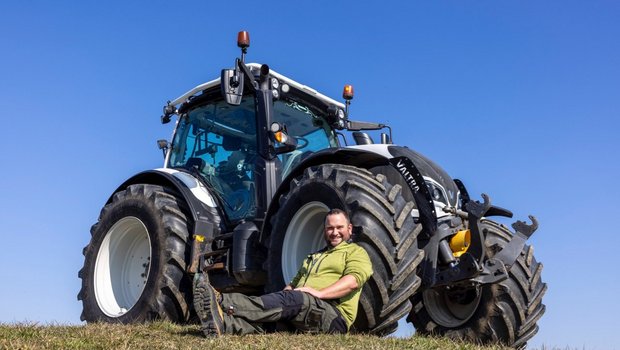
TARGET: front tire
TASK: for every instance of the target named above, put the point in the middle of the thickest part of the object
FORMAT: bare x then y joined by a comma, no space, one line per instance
134,266
382,225
504,312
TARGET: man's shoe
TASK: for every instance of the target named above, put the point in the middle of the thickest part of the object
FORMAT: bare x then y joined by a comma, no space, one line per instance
207,305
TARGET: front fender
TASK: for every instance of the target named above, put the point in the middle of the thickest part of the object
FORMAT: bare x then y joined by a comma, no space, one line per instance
182,181
347,156
402,165
202,204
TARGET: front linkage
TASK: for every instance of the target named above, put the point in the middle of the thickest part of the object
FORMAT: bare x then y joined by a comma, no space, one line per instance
474,265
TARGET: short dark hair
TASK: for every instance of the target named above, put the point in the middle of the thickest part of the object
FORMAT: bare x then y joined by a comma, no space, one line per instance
336,211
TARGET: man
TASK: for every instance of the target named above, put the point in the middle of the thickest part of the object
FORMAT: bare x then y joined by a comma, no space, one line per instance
322,298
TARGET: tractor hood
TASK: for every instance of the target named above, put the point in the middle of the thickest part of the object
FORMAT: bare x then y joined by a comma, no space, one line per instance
432,172
435,177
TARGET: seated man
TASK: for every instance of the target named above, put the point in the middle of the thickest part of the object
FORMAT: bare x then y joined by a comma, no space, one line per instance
323,297
233,171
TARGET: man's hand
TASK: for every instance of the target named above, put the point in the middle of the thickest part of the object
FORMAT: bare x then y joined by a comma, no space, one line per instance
343,287
311,291
288,287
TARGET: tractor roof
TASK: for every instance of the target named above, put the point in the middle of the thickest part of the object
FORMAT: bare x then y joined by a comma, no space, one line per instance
255,67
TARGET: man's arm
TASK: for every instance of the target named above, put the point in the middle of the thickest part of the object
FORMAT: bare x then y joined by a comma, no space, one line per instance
343,287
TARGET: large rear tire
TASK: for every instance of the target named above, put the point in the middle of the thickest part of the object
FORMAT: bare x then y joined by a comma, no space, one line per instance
382,225
504,312
134,267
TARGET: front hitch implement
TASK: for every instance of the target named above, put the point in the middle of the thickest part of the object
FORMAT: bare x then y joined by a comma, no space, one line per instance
496,269
475,265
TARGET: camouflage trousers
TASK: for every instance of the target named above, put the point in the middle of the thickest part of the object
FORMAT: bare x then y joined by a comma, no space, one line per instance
297,310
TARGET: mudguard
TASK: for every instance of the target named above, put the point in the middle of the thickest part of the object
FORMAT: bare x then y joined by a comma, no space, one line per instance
201,202
415,169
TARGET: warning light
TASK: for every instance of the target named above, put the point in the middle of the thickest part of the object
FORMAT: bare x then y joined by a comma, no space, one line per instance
347,93
280,137
243,39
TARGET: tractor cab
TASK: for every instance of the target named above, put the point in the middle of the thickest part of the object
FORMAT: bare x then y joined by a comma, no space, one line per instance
231,149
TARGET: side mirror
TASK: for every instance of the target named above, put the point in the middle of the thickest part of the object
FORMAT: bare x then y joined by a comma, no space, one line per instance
169,110
232,86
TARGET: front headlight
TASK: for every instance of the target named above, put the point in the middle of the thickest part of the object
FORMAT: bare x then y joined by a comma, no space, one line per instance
437,193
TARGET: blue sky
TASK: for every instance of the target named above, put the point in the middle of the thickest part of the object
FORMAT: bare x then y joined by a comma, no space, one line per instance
519,99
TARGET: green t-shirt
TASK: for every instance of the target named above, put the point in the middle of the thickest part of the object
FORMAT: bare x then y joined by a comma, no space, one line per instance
327,266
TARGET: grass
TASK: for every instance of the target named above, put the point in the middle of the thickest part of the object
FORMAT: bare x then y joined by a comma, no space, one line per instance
164,335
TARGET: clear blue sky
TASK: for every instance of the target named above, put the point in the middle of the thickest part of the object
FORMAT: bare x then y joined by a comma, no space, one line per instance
519,99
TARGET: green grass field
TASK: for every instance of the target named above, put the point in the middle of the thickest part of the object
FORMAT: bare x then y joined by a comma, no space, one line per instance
163,335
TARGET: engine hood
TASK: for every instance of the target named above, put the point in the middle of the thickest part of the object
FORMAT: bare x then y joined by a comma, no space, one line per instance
430,170
433,174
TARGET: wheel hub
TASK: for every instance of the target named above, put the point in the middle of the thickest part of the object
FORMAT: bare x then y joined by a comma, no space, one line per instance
122,266
303,236
451,308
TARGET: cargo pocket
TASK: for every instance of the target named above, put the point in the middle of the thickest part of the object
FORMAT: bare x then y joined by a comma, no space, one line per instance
314,318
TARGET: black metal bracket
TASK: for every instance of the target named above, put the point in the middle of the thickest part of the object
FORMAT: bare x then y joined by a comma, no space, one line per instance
464,194
496,269
493,271
509,254
247,73
466,268
493,210
431,254
476,211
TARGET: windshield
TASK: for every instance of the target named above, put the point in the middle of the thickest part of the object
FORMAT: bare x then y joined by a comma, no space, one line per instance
311,131
219,141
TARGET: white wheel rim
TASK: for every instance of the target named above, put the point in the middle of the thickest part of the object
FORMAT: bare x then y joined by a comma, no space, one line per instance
303,236
122,266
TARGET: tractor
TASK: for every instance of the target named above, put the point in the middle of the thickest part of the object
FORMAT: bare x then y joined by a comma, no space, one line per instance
255,162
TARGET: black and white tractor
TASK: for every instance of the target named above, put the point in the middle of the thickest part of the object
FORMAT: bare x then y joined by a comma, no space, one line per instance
255,162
